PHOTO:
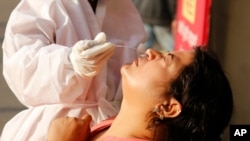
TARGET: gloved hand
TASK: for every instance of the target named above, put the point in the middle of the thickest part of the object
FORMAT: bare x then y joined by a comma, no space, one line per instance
89,56
141,49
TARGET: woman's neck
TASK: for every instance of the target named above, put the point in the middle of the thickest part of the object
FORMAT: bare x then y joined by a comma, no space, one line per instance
129,124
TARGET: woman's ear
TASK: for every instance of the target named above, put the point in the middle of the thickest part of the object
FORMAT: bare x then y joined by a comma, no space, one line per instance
168,109
171,108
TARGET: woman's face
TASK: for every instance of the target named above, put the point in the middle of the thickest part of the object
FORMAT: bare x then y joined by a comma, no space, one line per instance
152,74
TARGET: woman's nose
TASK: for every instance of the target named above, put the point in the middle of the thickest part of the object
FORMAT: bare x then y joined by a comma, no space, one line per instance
152,54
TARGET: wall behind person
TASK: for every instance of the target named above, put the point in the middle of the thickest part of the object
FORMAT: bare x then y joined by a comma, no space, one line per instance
230,38
238,58
9,105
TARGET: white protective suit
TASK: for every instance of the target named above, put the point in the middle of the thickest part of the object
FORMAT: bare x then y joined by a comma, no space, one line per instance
38,40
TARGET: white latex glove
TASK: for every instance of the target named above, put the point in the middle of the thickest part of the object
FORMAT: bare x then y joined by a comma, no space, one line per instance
141,49
89,56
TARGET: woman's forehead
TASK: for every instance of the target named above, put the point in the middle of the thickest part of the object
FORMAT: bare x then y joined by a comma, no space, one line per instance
184,57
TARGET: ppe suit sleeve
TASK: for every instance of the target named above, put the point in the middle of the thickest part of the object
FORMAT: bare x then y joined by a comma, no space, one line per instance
36,68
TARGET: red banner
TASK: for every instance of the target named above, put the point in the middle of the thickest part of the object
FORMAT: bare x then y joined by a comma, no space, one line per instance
193,22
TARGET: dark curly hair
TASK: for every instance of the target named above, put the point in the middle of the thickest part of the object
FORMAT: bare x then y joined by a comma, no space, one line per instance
207,103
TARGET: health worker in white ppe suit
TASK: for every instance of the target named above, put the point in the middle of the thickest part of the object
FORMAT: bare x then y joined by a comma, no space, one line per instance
60,59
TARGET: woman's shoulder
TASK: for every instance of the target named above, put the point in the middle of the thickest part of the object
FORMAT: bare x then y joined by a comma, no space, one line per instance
103,125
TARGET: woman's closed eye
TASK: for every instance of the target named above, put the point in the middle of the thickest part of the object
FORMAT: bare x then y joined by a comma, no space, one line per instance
167,58
171,55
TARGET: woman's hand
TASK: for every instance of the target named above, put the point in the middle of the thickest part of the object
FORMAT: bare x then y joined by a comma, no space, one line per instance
70,129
